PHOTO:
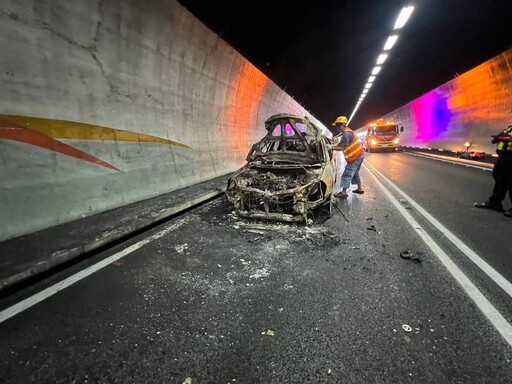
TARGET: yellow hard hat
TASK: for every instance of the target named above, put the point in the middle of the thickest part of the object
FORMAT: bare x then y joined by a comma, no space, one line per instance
340,120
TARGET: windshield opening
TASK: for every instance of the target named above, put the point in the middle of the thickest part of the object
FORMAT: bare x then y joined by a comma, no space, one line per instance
386,129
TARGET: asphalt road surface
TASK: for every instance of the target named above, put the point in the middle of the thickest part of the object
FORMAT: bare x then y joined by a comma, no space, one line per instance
393,288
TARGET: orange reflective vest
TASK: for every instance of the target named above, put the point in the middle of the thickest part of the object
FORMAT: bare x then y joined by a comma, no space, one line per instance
353,150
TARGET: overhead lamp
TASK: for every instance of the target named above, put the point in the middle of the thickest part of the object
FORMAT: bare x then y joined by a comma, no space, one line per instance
382,58
390,42
376,70
371,79
367,85
403,16
365,91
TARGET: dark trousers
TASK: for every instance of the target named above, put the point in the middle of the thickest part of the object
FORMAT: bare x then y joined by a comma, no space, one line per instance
502,174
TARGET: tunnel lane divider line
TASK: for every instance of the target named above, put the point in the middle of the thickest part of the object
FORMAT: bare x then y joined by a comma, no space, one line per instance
61,285
494,275
492,314
433,157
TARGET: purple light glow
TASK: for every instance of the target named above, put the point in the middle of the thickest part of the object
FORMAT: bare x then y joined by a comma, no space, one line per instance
432,116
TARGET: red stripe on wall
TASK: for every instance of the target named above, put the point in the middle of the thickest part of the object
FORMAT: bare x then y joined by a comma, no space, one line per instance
11,131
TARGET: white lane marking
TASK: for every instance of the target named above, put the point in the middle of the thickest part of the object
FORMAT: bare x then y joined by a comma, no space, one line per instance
52,290
496,319
449,161
472,255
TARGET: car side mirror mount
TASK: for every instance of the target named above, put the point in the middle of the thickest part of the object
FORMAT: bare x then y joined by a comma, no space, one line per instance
401,129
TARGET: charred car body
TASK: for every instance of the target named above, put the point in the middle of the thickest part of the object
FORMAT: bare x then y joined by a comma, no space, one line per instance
289,175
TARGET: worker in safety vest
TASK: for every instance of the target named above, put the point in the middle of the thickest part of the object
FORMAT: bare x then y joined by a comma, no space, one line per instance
502,173
353,151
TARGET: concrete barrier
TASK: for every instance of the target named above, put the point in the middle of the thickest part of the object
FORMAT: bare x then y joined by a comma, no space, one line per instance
108,103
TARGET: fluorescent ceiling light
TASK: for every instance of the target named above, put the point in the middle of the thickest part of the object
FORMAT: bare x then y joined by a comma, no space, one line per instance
376,70
371,79
390,42
382,58
365,91
367,85
402,18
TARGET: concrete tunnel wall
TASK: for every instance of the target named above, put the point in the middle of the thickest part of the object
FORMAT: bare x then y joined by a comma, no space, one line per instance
469,108
108,103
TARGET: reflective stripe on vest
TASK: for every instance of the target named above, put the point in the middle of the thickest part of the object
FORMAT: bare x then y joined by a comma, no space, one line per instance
354,150
504,147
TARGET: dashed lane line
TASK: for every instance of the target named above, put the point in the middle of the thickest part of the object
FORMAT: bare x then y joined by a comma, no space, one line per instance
492,314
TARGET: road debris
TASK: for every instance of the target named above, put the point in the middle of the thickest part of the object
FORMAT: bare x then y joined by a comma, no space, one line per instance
330,234
371,228
181,248
405,203
407,328
408,255
268,332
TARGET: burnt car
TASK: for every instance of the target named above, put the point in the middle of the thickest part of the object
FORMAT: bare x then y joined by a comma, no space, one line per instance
290,174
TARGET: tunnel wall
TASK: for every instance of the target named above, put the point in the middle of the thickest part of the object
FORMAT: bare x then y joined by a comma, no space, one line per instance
469,108
108,103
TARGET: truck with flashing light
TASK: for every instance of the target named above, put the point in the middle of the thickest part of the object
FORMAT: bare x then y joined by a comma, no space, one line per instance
383,135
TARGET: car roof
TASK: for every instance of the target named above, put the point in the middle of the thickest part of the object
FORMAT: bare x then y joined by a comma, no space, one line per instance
285,115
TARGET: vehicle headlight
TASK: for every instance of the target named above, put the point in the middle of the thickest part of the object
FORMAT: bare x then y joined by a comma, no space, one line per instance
396,140
373,141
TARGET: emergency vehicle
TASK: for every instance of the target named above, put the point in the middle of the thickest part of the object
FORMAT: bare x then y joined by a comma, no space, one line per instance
383,135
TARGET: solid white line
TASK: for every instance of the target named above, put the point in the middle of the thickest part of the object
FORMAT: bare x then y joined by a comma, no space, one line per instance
472,255
449,161
52,290
496,319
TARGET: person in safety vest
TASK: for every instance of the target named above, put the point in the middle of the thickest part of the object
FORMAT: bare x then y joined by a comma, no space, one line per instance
353,151
502,173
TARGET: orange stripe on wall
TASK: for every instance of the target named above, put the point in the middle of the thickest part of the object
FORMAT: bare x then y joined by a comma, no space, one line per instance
63,129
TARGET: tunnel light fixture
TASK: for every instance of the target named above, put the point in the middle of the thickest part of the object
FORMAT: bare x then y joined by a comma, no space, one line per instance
382,58
390,42
403,16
